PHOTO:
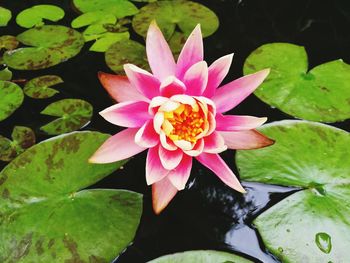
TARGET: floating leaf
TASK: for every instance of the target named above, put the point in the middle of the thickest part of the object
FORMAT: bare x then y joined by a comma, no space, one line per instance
203,256
185,14
321,94
95,17
8,42
105,40
74,114
34,16
39,88
5,16
314,157
23,138
5,74
119,8
11,97
45,215
124,52
51,46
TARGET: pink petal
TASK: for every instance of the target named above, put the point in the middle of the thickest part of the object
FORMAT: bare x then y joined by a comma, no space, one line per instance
170,159
191,53
154,168
144,81
231,94
237,123
172,86
159,55
118,147
166,142
197,148
216,74
119,88
146,136
196,78
127,114
219,167
214,143
162,193
179,176
244,140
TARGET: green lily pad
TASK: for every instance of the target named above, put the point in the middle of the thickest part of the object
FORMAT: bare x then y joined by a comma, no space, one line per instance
185,14
321,94
124,52
119,8
5,74
35,15
39,88
5,16
105,40
203,256
91,18
73,114
311,225
11,97
23,138
8,42
45,215
51,46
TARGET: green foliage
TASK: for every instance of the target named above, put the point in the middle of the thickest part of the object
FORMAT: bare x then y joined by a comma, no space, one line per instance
5,16
5,74
8,42
11,97
39,88
35,15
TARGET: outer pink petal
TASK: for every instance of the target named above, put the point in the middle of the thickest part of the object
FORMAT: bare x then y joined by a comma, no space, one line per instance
191,53
127,114
219,167
159,55
237,123
144,81
119,88
118,147
217,72
179,176
196,78
231,94
162,193
244,140
172,86
170,159
214,143
154,168
146,136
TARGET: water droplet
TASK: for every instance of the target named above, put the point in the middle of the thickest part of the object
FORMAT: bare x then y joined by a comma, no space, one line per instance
280,249
323,242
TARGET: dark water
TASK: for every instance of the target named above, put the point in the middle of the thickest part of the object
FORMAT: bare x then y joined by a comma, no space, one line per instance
207,214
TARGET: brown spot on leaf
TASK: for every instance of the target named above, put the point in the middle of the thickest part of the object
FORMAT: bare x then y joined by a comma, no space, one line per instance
39,246
72,246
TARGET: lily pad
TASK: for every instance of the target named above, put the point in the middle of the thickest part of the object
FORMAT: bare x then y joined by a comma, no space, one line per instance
321,94
73,114
45,215
313,224
124,52
35,15
203,256
23,138
5,74
11,97
119,8
5,16
39,88
51,45
8,42
169,14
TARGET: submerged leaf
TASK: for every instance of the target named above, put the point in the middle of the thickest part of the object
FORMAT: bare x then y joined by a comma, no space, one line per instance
35,15
11,97
5,16
321,94
73,114
314,157
39,88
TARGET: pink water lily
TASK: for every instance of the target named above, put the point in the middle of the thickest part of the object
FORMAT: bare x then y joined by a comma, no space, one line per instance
177,113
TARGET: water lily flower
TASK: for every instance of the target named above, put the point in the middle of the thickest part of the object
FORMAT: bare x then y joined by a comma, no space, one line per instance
177,113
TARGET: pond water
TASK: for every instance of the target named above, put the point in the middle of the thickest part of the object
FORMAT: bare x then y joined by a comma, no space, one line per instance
207,214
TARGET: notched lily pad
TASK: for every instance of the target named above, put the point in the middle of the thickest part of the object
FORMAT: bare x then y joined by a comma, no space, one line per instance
43,209
314,157
321,94
73,114
51,45
124,52
35,15
169,14
11,97
5,74
22,139
5,16
8,42
39,88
